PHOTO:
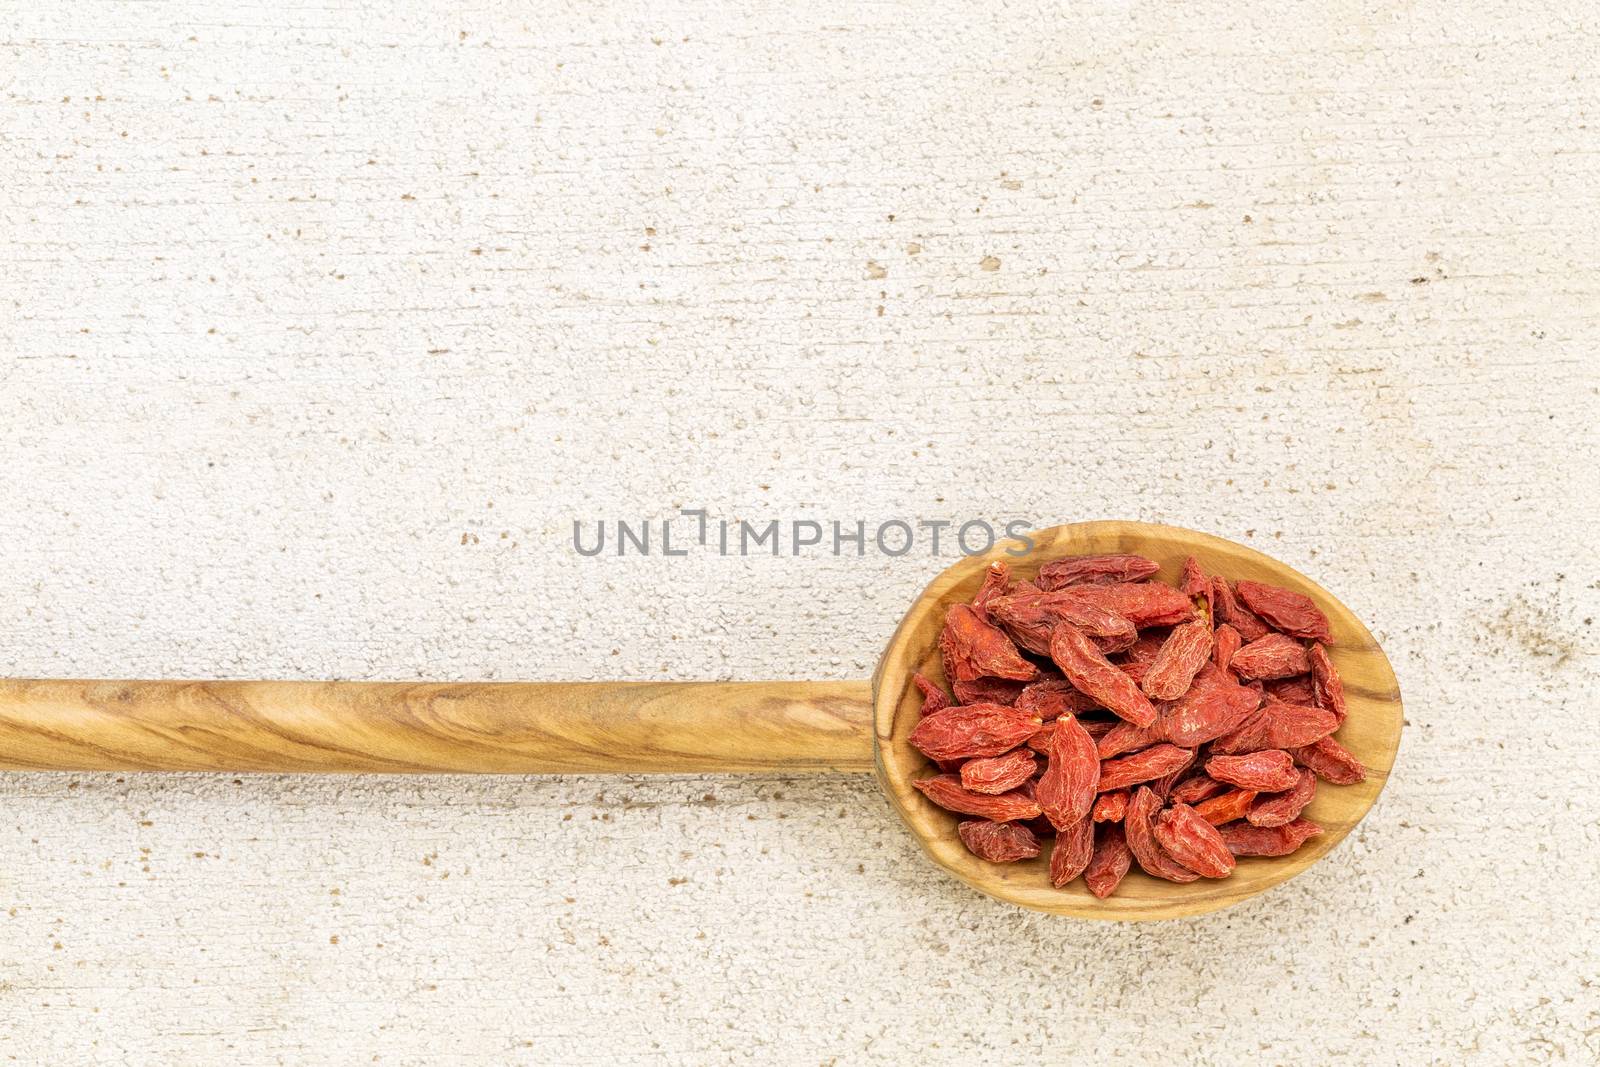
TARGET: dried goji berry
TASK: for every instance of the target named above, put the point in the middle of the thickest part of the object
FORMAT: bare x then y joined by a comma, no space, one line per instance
1066,792
1278,809
997,774
1292,691
1327,689
1272,656
1152,763
933,698
1031,619
1271,771
1111,807
1053,698
1212,707
1126,737
972,730
1193,842
998,842
988,690
1226,807
1136,670
1039,740
1225,643
946,791
995,583
1152,858
1110,861
1193,581
1283,609
1243,839
973,648
1226,608
1144,650
1098,728
1095,570
1163,786
1197,787
1142,603
1182,655
1073,850
1277,725
1090,672
1331,761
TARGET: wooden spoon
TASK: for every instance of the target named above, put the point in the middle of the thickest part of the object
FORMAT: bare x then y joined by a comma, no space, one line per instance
684,727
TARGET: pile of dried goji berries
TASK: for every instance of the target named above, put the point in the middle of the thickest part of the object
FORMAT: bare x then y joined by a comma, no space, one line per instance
1180,727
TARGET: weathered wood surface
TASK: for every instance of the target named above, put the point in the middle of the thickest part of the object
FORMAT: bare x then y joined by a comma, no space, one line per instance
322,322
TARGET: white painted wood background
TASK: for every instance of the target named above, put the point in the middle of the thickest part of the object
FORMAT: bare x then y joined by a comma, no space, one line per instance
322,322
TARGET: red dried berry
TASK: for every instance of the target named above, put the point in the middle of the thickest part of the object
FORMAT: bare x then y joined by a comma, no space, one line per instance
1279,809
1327,689
1052,698
1193,581
1111,807
933,698
1143,604
1278,725
1135,670
1182,655
1039,740
995,583
988,691
1098,728
1212,707
1272,656
1243,839
1163,786
998,842
1145,650
1271,771
1331,761
998,774
1126,737
1292,691
1226,807
1283,609
972,730
1066,792
1110,861
1155,762
973,648
1226,642
1193,842
1031,619
1227,609
1090,672
1073,850
1152,858
1095,570
946,791
1197,787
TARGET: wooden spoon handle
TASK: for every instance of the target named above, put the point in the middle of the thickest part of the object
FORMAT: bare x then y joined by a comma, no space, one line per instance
403,727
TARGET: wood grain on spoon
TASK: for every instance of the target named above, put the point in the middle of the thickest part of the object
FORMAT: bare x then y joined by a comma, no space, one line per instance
404,727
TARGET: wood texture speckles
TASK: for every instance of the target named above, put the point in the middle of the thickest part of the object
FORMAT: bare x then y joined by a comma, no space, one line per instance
377,727
1372,731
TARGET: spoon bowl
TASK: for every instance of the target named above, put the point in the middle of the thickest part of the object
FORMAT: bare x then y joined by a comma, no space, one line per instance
1371,732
